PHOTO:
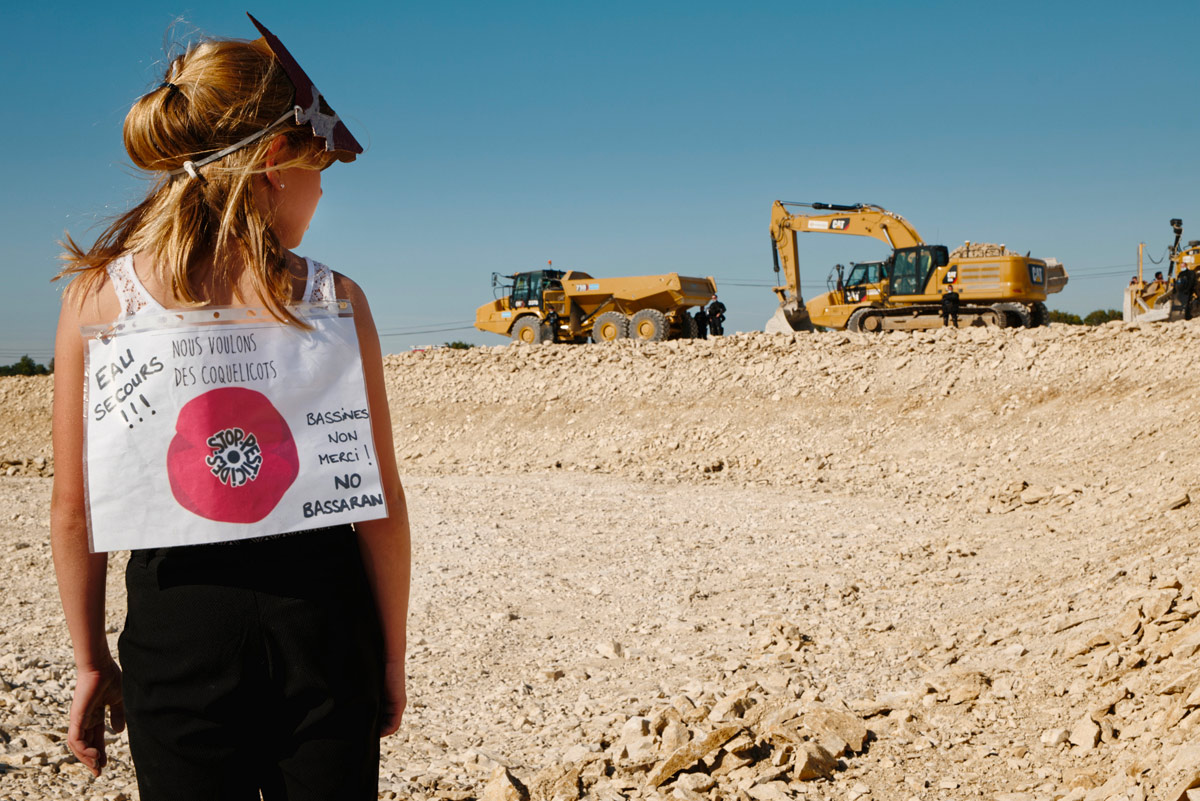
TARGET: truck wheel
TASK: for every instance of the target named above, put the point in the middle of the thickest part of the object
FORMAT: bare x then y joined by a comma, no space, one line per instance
649,325
528,330
609,327
687,326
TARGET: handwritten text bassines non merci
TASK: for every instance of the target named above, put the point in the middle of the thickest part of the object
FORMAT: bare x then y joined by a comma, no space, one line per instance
334,416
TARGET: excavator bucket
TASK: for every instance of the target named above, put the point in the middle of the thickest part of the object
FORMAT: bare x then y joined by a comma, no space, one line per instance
789,318
1056,276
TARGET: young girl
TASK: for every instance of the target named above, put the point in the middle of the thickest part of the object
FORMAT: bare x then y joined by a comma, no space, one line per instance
268,665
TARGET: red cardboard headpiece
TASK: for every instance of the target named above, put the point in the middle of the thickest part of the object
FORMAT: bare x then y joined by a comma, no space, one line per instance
310,106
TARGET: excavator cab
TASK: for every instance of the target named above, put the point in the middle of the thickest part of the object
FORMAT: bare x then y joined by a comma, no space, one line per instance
912,267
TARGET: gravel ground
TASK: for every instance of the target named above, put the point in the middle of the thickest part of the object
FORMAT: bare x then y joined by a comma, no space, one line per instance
933,566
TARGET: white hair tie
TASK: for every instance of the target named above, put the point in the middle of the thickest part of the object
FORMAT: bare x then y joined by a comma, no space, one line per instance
191,167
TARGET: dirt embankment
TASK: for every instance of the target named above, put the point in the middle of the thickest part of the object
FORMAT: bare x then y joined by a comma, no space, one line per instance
25,426
957,564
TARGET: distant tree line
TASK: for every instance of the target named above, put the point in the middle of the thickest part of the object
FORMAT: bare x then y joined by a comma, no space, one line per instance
1098,317
26,366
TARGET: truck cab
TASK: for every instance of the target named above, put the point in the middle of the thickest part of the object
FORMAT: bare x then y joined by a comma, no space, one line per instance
527,288
866,272
865,278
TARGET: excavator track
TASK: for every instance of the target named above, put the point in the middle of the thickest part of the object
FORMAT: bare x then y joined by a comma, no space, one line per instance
923,317
1018,314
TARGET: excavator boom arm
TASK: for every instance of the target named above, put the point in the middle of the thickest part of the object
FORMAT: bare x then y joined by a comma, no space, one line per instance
857,220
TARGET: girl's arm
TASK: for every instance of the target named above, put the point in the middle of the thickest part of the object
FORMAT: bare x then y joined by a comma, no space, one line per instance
81,575
384,543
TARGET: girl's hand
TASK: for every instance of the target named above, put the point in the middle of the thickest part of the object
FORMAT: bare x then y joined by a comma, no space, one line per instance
95,689
395,698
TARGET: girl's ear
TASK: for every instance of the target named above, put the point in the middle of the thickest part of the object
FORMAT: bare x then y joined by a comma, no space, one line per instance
275,154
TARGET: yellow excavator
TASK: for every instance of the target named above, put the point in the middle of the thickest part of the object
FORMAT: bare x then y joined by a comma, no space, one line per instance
993,285
1169,298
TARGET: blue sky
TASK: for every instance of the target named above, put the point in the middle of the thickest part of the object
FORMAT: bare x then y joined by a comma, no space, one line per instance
625,138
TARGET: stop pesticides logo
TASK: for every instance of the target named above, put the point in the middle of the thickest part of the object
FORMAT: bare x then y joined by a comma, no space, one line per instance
233,456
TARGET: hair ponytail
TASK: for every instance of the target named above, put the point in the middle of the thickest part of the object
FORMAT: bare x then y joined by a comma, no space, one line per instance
214,95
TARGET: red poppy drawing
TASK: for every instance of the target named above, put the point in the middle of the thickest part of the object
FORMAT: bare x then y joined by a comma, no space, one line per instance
233,456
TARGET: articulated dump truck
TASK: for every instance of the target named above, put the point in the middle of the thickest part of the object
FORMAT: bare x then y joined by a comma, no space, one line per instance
572,306
993,285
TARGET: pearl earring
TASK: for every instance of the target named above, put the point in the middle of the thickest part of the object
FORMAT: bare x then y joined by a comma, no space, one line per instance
283,186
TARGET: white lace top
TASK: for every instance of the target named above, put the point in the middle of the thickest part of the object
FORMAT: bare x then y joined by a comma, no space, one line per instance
135,299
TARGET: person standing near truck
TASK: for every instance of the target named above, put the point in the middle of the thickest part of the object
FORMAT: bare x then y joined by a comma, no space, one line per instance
716,317
950,304
701,323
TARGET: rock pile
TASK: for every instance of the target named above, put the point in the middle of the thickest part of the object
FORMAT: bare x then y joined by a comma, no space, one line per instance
1140,675
977,250
750,742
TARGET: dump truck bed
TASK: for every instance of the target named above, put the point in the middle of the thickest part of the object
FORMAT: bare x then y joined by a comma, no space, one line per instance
669,290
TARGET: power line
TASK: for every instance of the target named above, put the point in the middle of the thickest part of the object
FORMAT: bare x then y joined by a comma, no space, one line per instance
417,328
1085,270
1072,271
1118,274
425,331
1160,258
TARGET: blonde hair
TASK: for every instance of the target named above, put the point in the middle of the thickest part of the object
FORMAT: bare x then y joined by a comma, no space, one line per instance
214,95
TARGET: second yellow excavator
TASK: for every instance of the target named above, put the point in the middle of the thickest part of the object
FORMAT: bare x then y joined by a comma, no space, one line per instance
993,285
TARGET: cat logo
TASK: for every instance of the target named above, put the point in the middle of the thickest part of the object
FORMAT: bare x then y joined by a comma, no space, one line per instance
840,224
951,275
1037,273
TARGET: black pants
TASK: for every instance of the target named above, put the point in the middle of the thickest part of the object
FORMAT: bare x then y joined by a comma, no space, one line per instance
1184,304
253,667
